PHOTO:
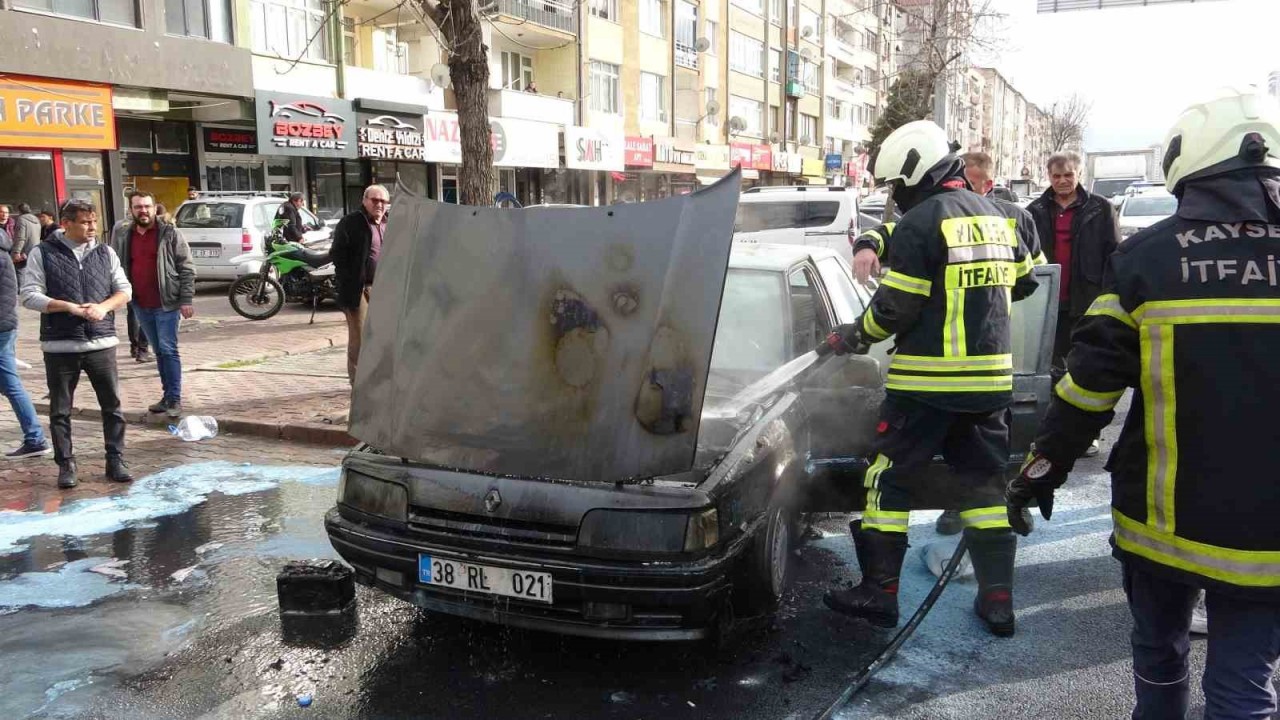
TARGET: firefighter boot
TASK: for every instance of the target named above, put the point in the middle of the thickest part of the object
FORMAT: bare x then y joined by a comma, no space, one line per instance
875,599
992,551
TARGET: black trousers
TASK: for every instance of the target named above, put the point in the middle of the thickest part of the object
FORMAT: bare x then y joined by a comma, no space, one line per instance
62,371
137,338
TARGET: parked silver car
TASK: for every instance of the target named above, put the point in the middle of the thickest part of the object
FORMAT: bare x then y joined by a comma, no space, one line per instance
227,232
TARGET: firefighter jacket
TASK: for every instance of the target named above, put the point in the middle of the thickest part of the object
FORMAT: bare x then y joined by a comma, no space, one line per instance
877,238
1189,316
957,258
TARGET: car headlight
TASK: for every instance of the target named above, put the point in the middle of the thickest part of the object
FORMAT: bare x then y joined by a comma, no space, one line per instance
373,496
650,531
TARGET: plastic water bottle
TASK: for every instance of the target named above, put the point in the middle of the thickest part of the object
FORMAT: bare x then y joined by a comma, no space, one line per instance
195,427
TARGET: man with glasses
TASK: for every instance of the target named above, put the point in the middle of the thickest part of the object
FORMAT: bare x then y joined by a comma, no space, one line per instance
357,244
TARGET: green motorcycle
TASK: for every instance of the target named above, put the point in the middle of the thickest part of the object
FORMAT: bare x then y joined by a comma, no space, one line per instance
290,272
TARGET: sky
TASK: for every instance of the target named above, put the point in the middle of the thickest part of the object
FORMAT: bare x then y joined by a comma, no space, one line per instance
1140,66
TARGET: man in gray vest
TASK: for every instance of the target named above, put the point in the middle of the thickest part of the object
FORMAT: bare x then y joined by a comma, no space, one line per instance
77,284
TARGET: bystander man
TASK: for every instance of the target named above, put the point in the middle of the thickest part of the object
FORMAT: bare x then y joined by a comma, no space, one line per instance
357,244
77,284
33,440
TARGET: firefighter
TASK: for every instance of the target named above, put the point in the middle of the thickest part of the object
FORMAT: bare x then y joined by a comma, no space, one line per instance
958,262
1190,318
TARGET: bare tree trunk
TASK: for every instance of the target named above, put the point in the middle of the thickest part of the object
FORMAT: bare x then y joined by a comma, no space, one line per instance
461,26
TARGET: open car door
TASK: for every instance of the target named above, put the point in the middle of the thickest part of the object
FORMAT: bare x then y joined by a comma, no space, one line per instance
844,403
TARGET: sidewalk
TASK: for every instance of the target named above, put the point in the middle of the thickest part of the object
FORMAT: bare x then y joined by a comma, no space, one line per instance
279,378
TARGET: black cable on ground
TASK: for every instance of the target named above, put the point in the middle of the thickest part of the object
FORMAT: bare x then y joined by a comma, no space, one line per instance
864,675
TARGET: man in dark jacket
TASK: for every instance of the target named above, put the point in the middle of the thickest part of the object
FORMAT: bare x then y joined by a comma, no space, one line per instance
291,211
158,263
1189,318
76,284
357,244
1078,231
33,440
48,223
26,234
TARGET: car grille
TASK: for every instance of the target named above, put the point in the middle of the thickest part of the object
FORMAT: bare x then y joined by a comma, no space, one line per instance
435,521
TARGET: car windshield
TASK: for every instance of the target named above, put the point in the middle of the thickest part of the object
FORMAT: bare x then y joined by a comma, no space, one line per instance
1158,206
210,215
751,336
1111,188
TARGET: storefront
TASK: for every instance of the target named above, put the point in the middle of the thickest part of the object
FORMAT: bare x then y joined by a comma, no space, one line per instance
656,168
526,157
740,157
813,171
593,156
389,141
320,133
786,166
53,135
233,163
711,162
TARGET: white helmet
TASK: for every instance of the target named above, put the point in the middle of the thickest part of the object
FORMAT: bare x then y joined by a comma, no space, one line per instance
910,151
1239,128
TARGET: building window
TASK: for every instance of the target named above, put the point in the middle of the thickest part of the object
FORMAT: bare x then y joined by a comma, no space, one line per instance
834,108
653,97
751,6
775,65
808,129
713,37
348,41
605,9
746,54
209,19
653,18
775,121
604,88
812,22
775,12
172,137
517,70
809,77
389,55
686,34
290,28
118,12
750,111
133,135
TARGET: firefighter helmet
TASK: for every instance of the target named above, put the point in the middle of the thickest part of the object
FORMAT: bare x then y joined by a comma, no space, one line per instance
1236,129
911,151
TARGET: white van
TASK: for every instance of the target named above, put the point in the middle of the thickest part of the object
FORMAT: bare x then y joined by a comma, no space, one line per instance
818,215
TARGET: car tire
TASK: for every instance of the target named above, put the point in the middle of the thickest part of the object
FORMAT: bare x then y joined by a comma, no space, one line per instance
766,568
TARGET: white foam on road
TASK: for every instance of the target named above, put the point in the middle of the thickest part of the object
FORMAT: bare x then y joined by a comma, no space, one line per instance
72,585
168,492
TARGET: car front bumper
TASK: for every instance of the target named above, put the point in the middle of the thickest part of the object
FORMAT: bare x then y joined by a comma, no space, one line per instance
663,601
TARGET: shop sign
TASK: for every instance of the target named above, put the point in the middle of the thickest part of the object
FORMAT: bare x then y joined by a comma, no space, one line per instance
740,154
711,157
833,162
664,151
306,126
229,140
639,151
761,157
812,167
55,114
590,149
390,136
525,143
780,160
441,138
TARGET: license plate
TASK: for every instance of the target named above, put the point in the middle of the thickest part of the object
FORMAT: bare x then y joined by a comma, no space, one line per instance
485,579
206,253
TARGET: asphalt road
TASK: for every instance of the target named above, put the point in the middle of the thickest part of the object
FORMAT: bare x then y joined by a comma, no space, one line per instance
188,628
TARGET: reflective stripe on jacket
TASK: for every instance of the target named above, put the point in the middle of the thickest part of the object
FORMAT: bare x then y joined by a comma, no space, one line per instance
956,260
1189,316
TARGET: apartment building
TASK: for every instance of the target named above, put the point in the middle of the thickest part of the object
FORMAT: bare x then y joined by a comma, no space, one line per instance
1015,131
860,71
137,77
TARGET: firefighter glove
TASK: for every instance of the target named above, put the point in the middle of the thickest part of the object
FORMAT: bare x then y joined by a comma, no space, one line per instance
1037,480
845,339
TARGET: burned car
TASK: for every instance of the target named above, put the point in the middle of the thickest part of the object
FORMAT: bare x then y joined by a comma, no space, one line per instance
613,432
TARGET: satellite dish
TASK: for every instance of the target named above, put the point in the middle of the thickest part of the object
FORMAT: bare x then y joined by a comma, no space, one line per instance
702,45
806,53
713,107
737,124
804,139
806,31
440,75
774,138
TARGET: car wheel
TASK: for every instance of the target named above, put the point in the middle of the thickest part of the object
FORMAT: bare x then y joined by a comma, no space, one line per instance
767,567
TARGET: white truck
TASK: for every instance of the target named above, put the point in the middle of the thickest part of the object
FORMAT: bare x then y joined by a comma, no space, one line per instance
1109,173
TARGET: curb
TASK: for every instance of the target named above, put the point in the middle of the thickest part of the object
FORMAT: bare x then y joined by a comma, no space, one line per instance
310,433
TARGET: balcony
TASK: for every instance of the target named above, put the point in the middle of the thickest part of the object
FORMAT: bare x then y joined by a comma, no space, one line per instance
531,106
552,14
392,87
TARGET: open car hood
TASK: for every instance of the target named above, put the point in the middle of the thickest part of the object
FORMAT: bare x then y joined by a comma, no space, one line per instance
559,343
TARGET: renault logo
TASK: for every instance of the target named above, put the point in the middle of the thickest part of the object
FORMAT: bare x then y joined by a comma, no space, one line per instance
492,501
